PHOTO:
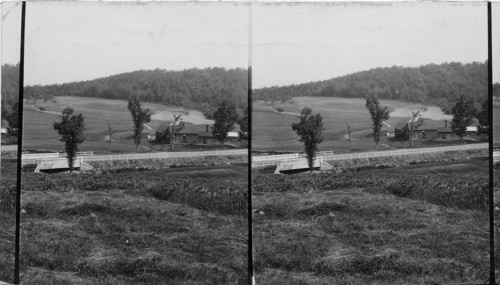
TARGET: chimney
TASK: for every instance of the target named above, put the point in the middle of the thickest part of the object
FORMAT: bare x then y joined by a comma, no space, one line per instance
445,123
207,129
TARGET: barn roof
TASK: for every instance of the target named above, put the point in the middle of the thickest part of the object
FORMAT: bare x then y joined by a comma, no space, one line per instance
163,128
431,125
193,129
401,125
208,134
445,130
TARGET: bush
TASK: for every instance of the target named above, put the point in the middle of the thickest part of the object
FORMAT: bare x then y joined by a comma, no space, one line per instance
8,198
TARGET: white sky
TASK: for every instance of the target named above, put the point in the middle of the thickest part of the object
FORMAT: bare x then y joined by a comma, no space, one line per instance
307,42
292,43
495,35
69,41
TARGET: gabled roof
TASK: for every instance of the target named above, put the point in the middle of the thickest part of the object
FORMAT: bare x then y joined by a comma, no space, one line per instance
193,129
208,134
401,125
431,125
163,127
445,130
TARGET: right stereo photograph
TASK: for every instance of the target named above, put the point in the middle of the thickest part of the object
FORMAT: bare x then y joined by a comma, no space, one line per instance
495,53
370,153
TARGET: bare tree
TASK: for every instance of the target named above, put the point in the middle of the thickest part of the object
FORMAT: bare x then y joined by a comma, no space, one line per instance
175,126
414,123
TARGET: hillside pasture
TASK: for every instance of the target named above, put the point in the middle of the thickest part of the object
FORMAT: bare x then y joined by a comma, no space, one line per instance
272,130
99,114
496,125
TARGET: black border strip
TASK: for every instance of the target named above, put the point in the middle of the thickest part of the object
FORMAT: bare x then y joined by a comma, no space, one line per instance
250,213
19,147
490,133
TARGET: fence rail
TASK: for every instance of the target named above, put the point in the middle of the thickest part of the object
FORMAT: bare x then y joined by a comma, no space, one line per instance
274,160
8,147
89,156
31,158
156,155
496,156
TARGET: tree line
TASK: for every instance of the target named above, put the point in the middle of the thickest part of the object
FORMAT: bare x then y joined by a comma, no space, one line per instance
436,84
201,89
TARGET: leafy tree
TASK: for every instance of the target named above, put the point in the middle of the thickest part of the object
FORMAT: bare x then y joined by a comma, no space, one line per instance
496,90
4,110
482,116
243,123
70,128
378,114
140,116
309,129
225,117
463,113
13,120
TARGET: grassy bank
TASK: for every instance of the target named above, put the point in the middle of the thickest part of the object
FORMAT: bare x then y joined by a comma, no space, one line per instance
174,162
419,224
151,227
404,160
7,219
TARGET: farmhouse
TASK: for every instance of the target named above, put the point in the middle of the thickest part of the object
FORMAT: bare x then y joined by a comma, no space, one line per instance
189,134
428,129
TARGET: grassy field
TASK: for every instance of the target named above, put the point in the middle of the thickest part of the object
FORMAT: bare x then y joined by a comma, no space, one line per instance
419,224
496,124
496,193
177,226
272,131
99,114
7,219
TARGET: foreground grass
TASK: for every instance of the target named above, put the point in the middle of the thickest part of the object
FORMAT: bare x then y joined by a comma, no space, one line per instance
496,201
7,219
318,232
151,227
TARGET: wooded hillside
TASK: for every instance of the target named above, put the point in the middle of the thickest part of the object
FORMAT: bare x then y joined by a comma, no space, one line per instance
202,89
439,84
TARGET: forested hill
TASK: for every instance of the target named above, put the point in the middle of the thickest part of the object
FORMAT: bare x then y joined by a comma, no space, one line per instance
439,84
10,83
203,89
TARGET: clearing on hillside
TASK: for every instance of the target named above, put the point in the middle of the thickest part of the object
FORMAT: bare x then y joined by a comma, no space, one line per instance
99,114
272,129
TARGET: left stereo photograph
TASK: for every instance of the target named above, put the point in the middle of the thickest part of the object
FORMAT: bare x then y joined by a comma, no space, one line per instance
134,143
10,47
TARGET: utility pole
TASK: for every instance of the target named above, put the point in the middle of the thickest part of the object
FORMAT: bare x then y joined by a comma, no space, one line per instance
109,133
349,137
